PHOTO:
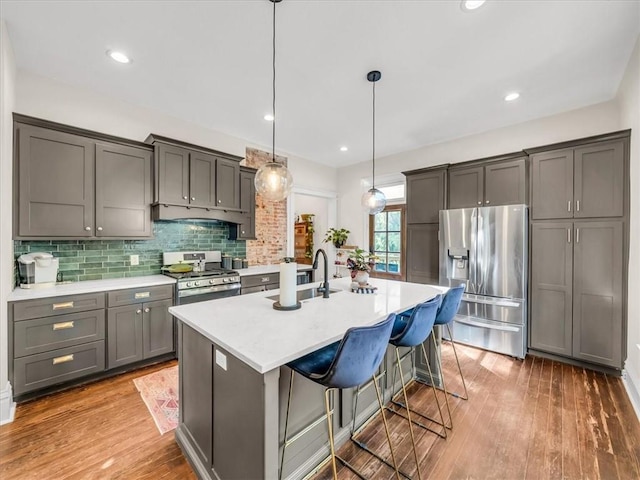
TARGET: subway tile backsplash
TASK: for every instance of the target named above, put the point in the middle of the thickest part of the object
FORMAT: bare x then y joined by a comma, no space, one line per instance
100,259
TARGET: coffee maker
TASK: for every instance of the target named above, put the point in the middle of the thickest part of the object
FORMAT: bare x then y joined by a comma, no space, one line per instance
37,269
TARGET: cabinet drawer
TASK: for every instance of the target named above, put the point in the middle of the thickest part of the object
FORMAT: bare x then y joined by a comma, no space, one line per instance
254,280
45,369
50,333
139,295
46,307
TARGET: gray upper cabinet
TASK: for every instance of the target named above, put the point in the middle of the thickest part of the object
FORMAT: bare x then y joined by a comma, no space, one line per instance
172,177
56,183
227,184
425,195
202,179
70,185
584,182
247,229
466,187
495,183
123,191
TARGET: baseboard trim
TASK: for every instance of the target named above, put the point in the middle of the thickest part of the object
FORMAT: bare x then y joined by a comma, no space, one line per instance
630,382
7,405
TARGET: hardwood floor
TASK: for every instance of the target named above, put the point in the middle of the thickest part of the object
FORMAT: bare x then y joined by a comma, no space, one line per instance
531,419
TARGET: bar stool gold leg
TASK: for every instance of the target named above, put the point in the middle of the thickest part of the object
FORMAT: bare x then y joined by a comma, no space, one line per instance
329,424
444,386
386,428
406,401
453,345
286,425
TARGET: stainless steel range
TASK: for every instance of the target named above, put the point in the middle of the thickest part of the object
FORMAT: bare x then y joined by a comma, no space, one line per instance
207,280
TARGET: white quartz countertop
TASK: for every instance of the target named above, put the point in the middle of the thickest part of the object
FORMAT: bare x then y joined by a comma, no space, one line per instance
249,328
89,286
264,269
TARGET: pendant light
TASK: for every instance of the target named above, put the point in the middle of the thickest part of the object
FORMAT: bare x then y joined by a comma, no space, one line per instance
374,201
273,180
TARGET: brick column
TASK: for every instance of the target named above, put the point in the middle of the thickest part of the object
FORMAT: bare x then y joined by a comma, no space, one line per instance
271,219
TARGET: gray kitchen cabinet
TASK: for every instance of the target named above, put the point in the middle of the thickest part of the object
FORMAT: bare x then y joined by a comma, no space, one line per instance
597,292
123,191
55,340
582,182
227,183
577,292
425,195
423,253
493,183
139,325
172,174
202,179
56,183
72,183
247,229
552,287
259,283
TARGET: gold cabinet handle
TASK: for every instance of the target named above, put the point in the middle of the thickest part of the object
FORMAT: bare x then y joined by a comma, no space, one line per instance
63,359
146,310
60,306
138,312
62,325
142,295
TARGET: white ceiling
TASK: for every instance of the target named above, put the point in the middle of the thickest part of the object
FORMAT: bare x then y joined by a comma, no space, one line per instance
444,71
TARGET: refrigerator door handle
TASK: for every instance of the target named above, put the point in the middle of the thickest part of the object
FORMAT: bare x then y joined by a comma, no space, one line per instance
476,323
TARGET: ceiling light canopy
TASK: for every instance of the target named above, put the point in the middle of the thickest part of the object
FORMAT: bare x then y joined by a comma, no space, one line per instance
511,97
470,5
118,56
273,180
374,201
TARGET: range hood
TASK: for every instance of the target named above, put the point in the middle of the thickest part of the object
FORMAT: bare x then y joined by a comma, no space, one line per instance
160,211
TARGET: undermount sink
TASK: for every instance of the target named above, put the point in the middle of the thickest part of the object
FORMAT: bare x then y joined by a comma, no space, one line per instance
306,294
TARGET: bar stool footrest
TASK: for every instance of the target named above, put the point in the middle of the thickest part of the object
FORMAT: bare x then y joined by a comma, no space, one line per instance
364,447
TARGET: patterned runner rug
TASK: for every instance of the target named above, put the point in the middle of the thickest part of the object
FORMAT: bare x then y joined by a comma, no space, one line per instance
159,391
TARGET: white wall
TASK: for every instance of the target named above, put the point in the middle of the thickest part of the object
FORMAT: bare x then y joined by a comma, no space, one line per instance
629,100
353,180
7,97
45,98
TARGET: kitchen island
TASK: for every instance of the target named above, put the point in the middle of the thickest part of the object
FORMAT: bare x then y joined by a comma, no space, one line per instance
232,393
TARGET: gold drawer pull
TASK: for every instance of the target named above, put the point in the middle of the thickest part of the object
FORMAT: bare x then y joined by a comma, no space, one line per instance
63,359
59,306
142,295
62,325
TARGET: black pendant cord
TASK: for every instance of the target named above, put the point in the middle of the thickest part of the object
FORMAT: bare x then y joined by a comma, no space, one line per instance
273,127
373,175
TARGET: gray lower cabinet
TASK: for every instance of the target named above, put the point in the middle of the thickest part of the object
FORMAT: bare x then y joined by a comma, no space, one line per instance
423,253
577,290
488,184
55,340
70,185
142,327
583,182
259,283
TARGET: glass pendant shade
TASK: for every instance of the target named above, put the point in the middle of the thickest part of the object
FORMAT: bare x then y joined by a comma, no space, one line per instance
273,181
374,201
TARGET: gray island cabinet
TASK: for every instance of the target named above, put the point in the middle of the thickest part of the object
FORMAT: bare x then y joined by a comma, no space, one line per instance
234,380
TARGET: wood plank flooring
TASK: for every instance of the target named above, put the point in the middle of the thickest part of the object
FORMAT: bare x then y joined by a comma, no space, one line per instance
531,419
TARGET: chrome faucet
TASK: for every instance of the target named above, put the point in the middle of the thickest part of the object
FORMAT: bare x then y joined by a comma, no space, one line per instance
324,286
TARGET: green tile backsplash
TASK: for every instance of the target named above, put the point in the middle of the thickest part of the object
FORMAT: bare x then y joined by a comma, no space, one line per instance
100,259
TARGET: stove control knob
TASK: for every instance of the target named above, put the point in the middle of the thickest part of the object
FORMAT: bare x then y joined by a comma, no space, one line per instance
212,282
197,284
225,280
189,284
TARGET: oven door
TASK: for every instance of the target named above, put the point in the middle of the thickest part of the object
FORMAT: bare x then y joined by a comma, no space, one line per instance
194,295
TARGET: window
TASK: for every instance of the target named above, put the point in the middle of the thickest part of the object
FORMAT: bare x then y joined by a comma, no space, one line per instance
386,240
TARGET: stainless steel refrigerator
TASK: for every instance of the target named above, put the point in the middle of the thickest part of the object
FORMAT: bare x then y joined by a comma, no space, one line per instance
486,249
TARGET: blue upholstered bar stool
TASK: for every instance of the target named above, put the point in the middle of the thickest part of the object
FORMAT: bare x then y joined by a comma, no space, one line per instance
345,364
446,313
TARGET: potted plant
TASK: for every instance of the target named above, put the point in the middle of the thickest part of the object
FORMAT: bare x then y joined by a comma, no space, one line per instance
337,236
360,263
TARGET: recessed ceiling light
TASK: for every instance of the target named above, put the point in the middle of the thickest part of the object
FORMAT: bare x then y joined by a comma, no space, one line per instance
511,97
344,149
118,56
269,118
469,5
